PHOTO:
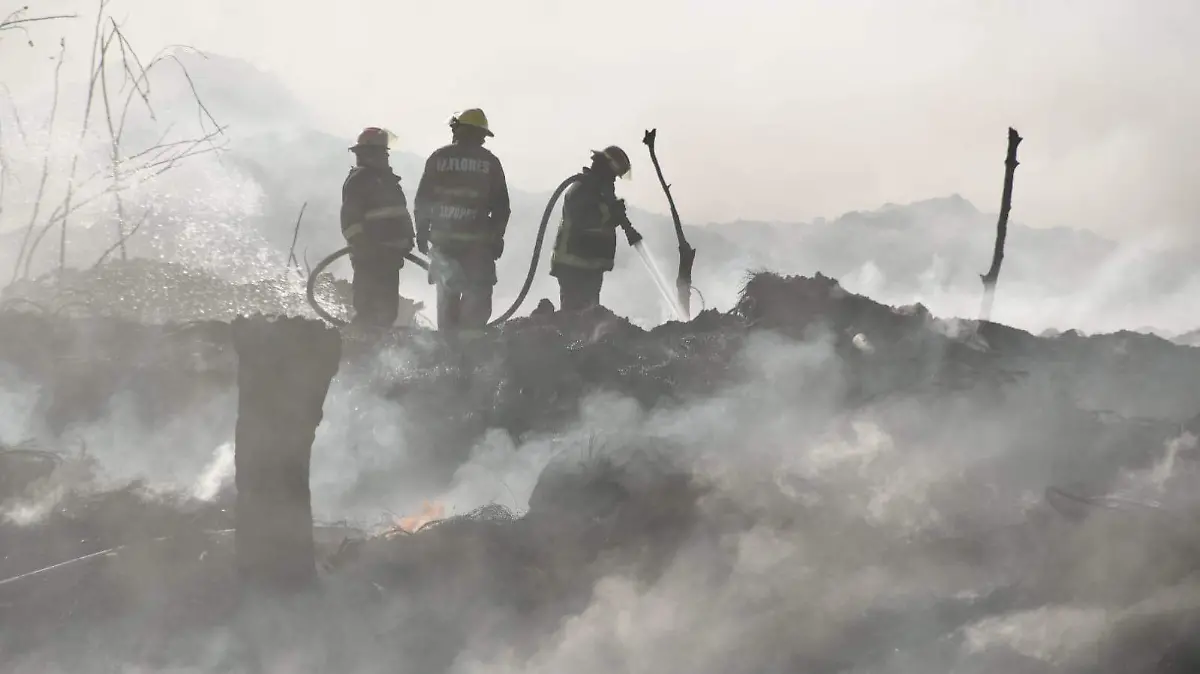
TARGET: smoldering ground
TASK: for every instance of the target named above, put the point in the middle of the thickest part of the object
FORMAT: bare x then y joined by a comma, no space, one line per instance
843,514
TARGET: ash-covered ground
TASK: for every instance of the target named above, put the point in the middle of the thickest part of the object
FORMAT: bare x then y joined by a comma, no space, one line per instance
811,482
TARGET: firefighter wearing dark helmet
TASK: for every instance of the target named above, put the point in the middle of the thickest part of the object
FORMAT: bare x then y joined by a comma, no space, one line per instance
462,210
377,227
586,244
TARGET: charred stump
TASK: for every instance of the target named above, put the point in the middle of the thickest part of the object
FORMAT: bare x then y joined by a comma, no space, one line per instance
284,370
993,273
687,254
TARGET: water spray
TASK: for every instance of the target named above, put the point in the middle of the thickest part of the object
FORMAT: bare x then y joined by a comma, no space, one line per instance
639,246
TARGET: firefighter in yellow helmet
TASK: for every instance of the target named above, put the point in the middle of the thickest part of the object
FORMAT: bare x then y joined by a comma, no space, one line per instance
461,210
377,227
586,244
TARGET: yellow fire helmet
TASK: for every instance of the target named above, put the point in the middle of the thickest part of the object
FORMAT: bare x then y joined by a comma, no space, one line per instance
472,117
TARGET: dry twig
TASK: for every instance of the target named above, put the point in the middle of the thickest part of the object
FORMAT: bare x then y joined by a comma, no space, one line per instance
124,169
295,236
41,190
87,114
16,20
124,237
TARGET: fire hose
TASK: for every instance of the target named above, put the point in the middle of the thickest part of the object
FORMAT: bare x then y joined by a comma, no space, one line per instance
424,264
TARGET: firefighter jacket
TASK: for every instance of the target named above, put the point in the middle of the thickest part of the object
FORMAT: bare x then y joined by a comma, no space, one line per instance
462,198
375,213
587,236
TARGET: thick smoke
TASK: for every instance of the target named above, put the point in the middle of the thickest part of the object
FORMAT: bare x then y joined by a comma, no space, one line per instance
863,531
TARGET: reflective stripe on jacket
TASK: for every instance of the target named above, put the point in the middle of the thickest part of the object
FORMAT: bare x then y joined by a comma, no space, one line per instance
462,196
374,209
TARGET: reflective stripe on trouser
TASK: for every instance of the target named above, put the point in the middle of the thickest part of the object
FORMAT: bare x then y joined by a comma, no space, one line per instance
357,229
564,258
443,236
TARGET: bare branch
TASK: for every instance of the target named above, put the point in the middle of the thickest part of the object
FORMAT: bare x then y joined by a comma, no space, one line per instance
203,109
114,151
124,169
170,162
87,113
3,170
124,237
57,216
296,235
17,21
41,190
15,113
139,80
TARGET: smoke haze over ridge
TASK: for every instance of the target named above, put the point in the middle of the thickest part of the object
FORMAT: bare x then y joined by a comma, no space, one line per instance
769,111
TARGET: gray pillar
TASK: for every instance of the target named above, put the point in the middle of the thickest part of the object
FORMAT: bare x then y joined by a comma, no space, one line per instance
284,369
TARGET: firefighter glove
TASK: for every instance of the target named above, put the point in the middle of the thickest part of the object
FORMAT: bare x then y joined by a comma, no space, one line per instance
618,212
633,236
423,245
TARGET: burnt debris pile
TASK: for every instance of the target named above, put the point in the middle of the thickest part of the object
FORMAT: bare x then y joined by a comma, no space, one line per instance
717,507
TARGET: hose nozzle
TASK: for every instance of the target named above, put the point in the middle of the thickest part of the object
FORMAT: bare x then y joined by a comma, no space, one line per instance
631,235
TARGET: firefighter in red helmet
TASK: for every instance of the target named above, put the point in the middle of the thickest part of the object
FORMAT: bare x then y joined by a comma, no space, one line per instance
377,227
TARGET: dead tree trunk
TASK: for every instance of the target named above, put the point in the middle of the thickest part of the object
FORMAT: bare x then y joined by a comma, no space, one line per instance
687,254
993,274
284,370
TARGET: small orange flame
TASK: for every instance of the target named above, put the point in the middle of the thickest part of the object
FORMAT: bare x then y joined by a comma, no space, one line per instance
430,512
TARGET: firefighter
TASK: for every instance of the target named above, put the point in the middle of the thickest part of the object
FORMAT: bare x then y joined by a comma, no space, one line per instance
378,229
462,210
586,244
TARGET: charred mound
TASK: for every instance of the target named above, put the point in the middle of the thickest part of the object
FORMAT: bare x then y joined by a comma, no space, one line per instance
500,585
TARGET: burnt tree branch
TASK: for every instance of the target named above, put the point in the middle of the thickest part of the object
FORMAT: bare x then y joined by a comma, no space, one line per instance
993,274
687,254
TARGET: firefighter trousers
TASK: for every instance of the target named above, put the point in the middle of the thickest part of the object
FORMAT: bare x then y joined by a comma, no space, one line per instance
579,289
466,309
464,277
376,288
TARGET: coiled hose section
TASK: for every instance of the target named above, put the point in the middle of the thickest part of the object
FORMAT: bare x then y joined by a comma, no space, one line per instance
424,264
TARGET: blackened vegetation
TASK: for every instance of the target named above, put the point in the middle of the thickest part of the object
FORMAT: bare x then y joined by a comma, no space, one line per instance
492,577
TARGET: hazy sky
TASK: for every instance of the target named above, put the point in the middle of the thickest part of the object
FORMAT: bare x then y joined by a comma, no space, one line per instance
766,109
